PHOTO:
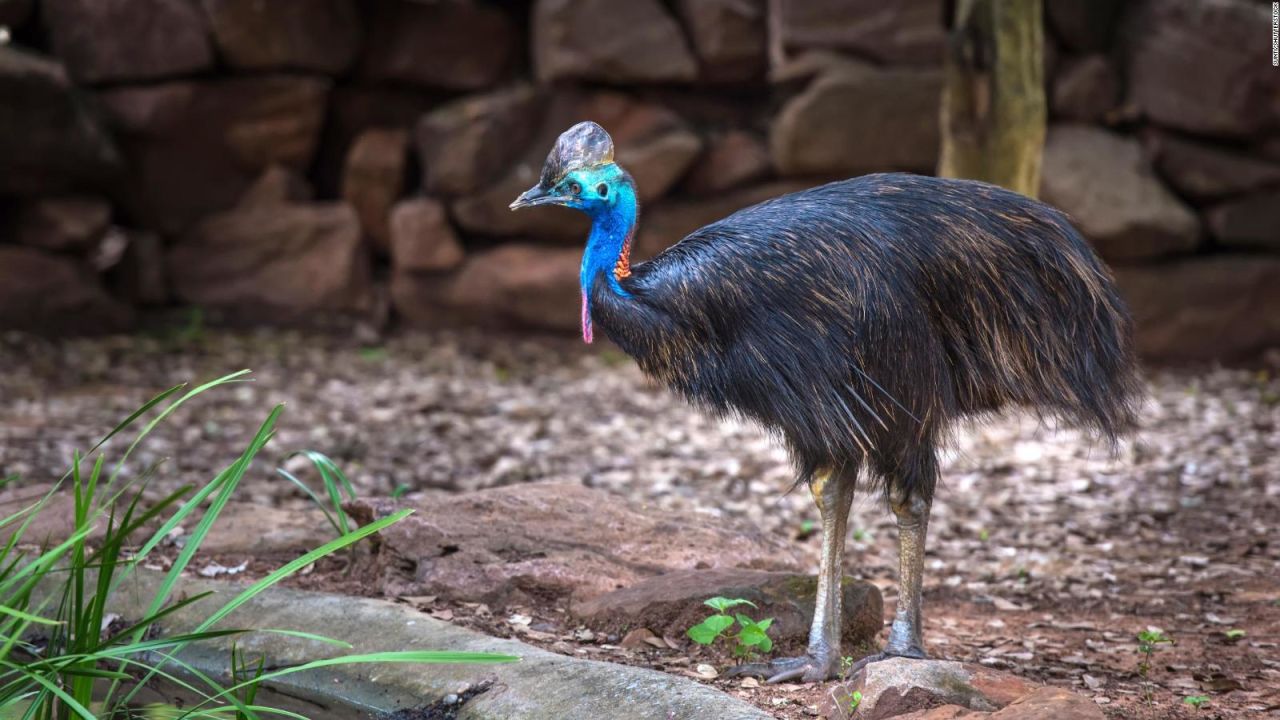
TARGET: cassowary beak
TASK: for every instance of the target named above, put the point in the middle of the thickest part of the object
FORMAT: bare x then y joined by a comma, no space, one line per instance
536,195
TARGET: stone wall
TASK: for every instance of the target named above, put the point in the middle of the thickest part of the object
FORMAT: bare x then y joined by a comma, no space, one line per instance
298,159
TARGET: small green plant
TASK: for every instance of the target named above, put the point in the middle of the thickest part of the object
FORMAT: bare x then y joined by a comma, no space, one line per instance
335,482
752,635
373,354
400,490
855,699
983,535
1196,701
861,535
1148,642
1234,634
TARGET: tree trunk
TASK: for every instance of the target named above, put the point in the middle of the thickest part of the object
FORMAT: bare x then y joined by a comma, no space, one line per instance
993,104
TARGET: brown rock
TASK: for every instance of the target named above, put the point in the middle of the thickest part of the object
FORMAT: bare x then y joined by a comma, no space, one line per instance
1251,221
1086,89
652,143
62,224
1083,25
671,603
194,147
631,42
471,142
113,40
47,293
908,32
276,186
274,261
666,223
245,528
1132,215
318,35
422,240
140,275
560,542
352,110
728,36
374,179
1207,171
1195,65
734,158
1050,703
903,687
513,285
49,142
856,119
452,45
1220,307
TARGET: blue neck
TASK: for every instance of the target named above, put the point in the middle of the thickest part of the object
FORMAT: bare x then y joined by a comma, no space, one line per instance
612,226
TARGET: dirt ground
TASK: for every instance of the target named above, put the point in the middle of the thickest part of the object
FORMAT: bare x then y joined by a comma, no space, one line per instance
1047,554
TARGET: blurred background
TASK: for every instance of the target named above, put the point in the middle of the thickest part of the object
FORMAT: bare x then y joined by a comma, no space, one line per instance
318,162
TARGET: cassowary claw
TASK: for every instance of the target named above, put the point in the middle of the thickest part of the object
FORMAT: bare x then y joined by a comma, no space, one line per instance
805,669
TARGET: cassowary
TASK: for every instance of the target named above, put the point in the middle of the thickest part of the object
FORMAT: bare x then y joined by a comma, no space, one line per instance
858,321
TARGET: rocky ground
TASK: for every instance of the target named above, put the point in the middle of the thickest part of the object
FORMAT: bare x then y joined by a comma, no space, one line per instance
1047,553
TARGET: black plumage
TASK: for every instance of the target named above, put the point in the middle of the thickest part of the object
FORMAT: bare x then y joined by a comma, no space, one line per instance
859,318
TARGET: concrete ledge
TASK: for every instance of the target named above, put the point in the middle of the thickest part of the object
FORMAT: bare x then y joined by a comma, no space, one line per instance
543,685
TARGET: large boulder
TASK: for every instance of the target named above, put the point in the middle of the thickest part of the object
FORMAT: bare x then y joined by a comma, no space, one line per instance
631,42
907,32
560,542
1220,307
471,142
513,285
733,158
671,603
49,140
318,35
193,147
281,262
652,143
62,224
374,179
1202,65
1102,180
1085,89
354,108
1252,221
422,240
462,45
48,293
1205,171
855,119
728,37
124,40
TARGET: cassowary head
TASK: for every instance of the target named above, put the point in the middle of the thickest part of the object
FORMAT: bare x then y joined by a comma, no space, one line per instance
580,173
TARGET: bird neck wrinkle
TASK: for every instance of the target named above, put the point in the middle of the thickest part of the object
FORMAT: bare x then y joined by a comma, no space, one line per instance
608,250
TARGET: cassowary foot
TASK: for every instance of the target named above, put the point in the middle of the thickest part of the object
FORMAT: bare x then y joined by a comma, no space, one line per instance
805,669
910,652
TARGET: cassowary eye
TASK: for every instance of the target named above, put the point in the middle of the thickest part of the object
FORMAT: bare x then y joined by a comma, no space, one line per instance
575,188
602,190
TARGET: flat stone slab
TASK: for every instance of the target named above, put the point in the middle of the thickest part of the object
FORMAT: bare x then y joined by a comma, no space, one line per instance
541,542
542,686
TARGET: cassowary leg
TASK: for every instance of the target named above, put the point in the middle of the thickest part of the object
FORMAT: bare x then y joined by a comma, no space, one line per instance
833,494
905,635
